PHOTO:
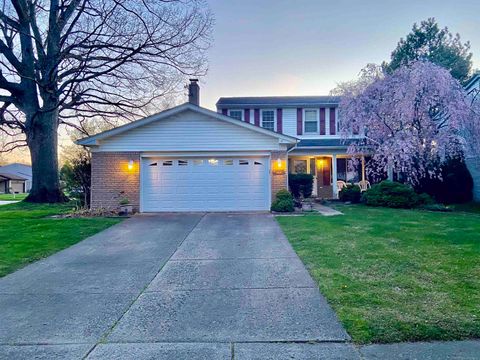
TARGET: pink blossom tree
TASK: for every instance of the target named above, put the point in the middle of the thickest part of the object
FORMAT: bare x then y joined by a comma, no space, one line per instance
409,121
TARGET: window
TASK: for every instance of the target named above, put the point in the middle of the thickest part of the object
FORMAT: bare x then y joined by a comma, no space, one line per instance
300,166
228,162
243,162
197,162
167,163
236,114
311,122
213,162
182,162
268,119
257,163
153,164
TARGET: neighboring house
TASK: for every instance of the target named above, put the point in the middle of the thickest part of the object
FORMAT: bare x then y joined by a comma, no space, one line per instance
10,183
192,159
473,162
20,177
314,121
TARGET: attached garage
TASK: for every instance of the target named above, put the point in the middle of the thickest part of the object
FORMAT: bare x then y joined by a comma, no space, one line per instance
218,183
188,159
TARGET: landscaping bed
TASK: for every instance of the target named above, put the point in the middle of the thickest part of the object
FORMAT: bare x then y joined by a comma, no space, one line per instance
392,274
28,232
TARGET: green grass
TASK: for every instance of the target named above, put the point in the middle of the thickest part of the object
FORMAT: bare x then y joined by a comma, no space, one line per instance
395,275
8,197
472,207
27,233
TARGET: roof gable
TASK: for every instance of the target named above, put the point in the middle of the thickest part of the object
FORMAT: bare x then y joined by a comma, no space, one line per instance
172,114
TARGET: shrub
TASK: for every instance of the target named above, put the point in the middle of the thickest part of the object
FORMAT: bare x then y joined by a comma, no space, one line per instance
455,186
300,185
283,202
391,194
350,193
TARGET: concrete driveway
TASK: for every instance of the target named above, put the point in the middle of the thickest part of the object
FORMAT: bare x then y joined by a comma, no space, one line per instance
173,286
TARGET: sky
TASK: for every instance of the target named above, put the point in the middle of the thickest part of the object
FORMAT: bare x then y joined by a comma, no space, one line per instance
306,47
281,47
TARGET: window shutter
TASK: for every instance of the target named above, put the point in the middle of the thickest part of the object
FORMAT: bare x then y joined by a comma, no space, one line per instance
256,115
225,111
279,121
322,121
333,123
299,121
247,115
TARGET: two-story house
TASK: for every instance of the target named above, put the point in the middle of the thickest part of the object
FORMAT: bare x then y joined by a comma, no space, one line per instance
314,121
189,158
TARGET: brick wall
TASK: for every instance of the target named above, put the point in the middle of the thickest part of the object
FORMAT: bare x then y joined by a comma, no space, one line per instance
112,180
279,179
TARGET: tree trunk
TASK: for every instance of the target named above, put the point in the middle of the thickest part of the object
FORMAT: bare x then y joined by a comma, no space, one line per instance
42,140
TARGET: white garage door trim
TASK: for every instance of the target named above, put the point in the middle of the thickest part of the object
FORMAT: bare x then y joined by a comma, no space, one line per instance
189,176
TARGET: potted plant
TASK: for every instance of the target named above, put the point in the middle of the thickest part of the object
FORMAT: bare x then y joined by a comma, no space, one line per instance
125,206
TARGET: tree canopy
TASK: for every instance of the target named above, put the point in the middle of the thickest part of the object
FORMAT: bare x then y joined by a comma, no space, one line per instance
429,42
412,119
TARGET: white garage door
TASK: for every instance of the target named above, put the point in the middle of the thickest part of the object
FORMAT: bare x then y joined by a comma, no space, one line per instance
205,184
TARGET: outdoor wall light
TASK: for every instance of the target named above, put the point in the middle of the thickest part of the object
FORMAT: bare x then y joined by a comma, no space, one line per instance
130,165
279,166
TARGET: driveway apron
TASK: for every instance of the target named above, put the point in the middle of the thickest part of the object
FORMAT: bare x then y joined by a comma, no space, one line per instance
180,286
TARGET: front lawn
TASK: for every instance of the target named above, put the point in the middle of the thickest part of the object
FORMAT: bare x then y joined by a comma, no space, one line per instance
11,197
28,233
395,275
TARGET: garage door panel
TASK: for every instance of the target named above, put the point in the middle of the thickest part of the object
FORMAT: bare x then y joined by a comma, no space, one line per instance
204,184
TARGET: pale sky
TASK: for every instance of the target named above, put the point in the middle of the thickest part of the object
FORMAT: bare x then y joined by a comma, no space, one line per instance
305,47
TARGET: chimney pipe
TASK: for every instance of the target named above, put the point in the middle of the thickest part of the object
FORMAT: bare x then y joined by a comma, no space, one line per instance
194,92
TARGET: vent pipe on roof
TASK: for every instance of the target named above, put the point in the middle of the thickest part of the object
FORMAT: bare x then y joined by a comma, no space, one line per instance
194,92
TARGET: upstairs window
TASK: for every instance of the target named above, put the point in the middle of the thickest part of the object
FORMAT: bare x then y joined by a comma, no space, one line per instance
311,121
268,119
236,114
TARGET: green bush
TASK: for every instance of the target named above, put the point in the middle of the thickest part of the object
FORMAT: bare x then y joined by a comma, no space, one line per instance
391,194
301,185
283,195
283,202
350,193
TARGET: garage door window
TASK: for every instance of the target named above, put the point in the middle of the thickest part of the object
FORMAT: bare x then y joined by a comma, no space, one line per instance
213,162
182,162
198,162
153,164
168,163
228,162
257,163
243,162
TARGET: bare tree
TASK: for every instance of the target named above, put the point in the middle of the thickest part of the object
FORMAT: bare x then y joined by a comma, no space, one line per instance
64,62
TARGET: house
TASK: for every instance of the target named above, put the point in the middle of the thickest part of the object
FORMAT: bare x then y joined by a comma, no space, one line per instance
15,176
313,120
473,162
189,158
10,183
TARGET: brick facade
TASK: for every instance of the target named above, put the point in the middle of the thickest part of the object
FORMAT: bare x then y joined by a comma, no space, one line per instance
279,178
113,180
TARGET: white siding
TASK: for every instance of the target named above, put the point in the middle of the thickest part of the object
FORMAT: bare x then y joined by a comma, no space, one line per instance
189,131
473,165
290,121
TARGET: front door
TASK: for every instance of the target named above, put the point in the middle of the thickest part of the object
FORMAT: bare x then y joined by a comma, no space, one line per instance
324,177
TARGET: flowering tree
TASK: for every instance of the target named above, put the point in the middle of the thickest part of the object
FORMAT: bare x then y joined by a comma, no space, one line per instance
411,119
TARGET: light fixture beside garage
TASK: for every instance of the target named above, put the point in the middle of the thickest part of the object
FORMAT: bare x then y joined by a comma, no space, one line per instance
279,166
130,165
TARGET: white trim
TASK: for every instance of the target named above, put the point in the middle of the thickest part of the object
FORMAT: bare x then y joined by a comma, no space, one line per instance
274,118
242,118
317,133
93,140
204,154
